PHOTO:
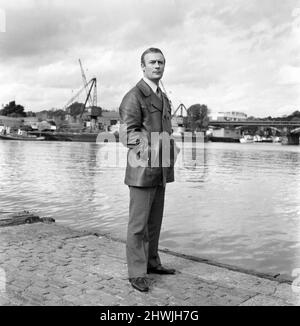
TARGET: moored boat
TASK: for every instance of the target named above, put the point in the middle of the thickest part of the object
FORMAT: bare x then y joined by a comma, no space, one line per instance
21,137
267,140
257,139
86,137
215,139
246,139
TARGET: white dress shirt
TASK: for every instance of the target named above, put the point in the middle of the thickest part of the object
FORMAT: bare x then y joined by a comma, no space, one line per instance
150,83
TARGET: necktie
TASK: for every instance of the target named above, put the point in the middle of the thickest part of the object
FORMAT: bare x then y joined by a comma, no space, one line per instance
158,92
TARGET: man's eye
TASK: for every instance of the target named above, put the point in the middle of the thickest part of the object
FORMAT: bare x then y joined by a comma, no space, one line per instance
154,62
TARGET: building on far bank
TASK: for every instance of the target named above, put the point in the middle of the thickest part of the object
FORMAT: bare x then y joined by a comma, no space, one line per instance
7,123
228,116
226,135
36,124
108,119
31,122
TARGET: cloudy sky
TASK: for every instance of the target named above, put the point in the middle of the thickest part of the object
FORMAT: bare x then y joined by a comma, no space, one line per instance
236,55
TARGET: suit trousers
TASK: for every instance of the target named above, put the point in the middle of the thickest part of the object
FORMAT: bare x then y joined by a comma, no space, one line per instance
145,218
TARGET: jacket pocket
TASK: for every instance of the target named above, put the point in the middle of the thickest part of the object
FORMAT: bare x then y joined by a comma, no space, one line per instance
152,109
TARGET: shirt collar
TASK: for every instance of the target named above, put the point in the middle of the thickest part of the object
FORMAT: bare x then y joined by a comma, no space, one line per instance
150,83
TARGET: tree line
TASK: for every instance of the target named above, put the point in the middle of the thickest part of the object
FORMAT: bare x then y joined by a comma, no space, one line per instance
197,114
17,111
295,116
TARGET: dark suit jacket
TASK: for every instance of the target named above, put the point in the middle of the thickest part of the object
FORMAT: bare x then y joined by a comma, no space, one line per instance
141,114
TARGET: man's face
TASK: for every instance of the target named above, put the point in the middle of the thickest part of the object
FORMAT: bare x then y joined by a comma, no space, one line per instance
154,66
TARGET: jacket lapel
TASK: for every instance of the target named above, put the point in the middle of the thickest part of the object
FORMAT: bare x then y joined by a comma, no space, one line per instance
147,91
155,101
144,88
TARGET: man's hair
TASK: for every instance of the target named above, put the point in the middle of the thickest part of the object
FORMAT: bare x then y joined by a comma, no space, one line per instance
151,50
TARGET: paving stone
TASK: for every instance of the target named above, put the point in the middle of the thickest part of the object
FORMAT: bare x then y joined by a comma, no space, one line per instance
74,291
55,265
264,300
288,293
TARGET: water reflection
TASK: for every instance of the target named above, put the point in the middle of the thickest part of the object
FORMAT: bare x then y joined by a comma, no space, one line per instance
238,204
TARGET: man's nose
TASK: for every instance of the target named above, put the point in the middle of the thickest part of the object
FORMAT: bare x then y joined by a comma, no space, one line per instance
156,64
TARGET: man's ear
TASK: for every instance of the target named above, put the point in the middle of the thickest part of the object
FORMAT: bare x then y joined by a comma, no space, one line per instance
143,66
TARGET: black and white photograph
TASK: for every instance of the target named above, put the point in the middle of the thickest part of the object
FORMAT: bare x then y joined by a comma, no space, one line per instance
149,155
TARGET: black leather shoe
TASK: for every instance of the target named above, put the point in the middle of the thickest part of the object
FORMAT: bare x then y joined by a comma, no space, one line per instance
139,283
161,270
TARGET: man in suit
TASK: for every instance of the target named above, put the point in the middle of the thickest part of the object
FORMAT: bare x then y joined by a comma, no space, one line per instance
146,130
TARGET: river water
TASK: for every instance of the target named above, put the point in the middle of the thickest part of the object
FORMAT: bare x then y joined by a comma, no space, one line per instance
238,204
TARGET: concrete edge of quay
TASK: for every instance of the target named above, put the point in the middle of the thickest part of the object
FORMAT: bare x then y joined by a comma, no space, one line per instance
274,277
51,264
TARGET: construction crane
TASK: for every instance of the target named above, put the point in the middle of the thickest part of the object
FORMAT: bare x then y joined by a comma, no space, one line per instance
91,85
181,107
94,87
85,84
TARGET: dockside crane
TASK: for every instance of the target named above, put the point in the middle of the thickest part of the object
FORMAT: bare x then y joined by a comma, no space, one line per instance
93,111
89,87
181,107
85,84
93,87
